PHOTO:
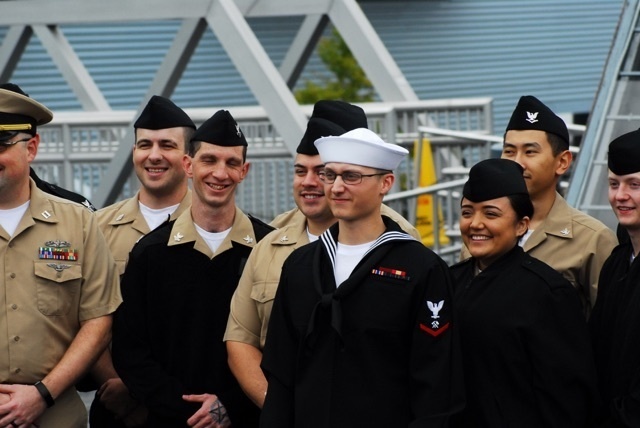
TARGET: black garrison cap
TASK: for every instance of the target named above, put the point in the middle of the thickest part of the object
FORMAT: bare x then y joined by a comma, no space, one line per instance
494,178
19,113
330,118
162,113
220,129
531,113
624,154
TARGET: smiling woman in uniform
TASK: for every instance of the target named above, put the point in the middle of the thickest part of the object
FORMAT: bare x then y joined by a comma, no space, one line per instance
525,347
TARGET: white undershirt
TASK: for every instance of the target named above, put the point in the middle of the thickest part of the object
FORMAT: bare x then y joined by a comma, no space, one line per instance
524,238
213,239
155,218
9,219
312,237
347,257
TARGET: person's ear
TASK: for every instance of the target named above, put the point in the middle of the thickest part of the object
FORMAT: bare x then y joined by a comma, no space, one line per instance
563,162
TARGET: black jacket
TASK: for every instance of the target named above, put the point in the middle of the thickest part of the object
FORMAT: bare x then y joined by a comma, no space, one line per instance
615,331
167,336
525,346
369,353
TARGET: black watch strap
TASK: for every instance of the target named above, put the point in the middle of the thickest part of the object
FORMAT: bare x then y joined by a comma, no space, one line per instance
44,392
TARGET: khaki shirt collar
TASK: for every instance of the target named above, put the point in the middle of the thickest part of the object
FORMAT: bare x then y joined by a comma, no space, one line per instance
558,223
293,234
184,231
130,212
40,207
288,218
185,204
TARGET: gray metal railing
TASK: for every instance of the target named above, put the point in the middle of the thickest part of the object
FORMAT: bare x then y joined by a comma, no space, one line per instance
445,206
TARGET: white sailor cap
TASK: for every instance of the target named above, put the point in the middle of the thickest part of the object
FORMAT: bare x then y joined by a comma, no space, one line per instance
362,147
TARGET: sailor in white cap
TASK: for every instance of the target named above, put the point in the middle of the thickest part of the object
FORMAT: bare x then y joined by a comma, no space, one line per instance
253,298
363,315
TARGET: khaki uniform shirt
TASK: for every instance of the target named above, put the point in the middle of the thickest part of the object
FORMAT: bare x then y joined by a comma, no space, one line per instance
574,244
252,301
123,225
57,272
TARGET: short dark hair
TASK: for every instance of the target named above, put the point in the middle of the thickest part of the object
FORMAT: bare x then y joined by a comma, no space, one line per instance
557,143
522,205
193,147
188,133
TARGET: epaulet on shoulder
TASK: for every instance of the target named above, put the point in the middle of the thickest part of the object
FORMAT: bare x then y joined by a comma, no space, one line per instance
545,272
260,228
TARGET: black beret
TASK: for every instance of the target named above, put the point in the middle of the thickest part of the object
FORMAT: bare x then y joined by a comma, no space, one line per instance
162,113
330,118
19,113
220,129
494,178
531,113
624,154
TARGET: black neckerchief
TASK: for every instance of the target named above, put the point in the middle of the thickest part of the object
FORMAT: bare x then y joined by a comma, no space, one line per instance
331,295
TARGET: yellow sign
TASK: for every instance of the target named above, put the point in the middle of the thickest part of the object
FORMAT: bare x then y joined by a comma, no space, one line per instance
424,205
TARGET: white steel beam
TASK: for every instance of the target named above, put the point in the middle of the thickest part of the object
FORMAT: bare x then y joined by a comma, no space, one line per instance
47,12
72,69
302,47
371,53
263,8
258,71
164,83
13,45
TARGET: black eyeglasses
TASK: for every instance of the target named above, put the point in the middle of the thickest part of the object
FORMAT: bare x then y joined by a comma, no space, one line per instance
348,177
5,146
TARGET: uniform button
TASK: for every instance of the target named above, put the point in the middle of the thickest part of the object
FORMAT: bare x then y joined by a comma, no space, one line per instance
10,244
16,338
12,275
17,370
14,306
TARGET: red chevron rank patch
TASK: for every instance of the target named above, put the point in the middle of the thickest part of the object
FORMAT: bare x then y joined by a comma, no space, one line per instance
435,332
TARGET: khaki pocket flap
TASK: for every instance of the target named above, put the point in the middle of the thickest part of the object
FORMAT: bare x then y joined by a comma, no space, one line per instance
58,270
264,291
